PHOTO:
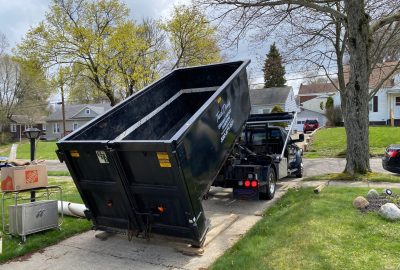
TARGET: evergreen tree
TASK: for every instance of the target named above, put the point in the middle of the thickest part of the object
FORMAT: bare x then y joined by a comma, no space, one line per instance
274,71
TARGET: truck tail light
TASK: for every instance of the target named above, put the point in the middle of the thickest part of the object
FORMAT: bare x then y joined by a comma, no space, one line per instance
247,183
254,183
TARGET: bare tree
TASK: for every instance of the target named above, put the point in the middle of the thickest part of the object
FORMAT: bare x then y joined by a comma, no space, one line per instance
324,33
10,87
3,43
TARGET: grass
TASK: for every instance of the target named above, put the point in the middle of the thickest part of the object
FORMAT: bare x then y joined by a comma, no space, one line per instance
331,142
372,177
13,247
58,173
308,231
44,150
5,149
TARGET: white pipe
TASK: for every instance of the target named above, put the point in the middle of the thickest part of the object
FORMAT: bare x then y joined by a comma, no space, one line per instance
72,209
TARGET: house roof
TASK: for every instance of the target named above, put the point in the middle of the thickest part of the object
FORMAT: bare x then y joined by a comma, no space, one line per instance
25,119
316,88
378,73
272,96
71,111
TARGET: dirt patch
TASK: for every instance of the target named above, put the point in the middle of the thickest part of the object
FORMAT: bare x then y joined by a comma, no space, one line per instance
376,203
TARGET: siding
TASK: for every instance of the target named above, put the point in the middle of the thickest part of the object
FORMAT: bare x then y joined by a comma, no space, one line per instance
383,109
309,115
290,104
50,135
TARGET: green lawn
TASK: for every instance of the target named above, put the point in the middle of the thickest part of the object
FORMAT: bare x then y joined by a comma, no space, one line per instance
372,177
44,150
331,142
5,149
13,247
308,231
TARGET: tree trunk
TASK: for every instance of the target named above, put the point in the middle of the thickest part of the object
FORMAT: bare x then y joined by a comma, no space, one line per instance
355,96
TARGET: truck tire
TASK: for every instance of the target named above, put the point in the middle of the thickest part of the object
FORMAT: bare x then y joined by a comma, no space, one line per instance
268,190
300,171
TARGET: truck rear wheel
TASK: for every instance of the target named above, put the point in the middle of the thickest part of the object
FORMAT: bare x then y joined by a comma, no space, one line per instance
268,190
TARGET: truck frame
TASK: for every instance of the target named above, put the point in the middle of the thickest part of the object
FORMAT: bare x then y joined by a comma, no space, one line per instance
262,155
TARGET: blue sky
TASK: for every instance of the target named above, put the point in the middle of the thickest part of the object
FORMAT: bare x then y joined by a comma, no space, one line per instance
17,16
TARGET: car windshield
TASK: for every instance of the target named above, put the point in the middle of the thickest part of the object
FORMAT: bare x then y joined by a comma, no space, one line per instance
311,122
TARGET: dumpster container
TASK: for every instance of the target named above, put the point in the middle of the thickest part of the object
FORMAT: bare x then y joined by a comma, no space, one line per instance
146,164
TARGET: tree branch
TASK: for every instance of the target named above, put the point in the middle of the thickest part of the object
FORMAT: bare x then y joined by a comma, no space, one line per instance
384,21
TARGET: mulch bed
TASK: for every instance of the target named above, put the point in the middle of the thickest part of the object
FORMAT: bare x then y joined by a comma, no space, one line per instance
376,203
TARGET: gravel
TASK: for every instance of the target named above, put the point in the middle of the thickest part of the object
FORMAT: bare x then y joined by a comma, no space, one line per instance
376,203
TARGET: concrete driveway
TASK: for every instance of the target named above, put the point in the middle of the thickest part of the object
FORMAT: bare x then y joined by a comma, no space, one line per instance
229,218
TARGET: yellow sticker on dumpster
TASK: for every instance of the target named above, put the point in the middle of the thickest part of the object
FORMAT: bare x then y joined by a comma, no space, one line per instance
74,153
165,164
219,99
162,155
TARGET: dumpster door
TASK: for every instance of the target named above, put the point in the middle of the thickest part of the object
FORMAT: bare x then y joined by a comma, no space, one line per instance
96,177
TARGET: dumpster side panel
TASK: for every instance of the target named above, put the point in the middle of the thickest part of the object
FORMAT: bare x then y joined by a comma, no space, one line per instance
204,148
97,181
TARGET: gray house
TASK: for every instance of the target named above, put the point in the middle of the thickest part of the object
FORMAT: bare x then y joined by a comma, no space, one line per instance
75,116
263,100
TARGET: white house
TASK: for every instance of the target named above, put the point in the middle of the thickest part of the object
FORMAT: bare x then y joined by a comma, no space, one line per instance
312,109
263,100
384,107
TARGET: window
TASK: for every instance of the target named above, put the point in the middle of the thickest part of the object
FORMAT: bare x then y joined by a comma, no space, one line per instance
397,101
56,128
44,127
75,126
258,138
373,104
266,110
13,128
87,111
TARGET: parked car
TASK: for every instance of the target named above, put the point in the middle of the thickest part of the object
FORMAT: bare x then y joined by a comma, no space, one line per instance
391,160
310,125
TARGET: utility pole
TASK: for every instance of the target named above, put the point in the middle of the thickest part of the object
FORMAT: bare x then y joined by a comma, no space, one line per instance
63,108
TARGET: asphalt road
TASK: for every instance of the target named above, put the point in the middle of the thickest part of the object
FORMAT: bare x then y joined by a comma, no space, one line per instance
320,166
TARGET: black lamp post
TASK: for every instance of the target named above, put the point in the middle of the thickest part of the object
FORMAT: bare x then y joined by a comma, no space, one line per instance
32,134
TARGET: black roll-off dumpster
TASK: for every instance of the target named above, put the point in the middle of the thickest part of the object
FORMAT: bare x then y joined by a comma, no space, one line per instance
147,162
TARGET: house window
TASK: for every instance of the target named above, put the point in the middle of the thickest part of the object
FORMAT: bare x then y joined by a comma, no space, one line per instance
87,111
75,126
373,104
266,110
56,128
397,101
13,128
44,127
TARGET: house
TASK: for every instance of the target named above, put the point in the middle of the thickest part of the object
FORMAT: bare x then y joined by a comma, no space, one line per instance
263,100
384,107
310,91
75,116
313,109
18,123
306,114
